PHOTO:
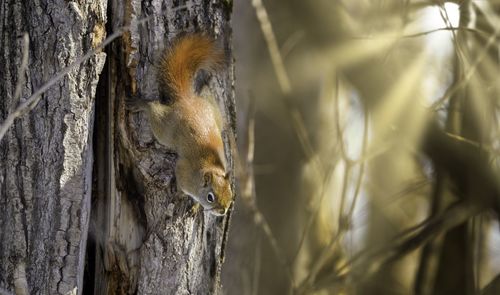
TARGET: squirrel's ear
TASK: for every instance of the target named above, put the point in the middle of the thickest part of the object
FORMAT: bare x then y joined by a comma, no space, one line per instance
207,178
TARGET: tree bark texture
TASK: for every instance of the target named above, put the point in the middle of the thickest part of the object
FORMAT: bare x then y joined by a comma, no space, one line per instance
149,238
57,164
46,156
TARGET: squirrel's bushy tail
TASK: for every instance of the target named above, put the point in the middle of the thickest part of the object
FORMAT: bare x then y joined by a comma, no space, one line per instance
183,60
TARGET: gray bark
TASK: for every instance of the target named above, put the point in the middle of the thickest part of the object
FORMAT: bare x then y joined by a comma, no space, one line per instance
144,237
46,156
148,239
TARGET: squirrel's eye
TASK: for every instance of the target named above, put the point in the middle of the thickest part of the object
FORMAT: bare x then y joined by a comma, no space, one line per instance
210,197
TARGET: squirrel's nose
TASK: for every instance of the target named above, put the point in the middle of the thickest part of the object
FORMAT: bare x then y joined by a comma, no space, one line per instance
221,211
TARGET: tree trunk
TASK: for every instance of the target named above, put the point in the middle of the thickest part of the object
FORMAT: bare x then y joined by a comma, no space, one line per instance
144,237
149,240
46,156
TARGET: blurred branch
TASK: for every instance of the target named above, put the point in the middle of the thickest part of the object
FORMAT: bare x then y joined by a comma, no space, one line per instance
344,220
399,36
477,236
284,80
430,257
314,212
493,288
325,254
347,161
256,270
446,18
319,263
361,168
471,70
427,267
480,146
365,264
246,177
452,217
412,188
272,45
261,222
464,165
340,131
465,160
464,29
449,154
291,42
299,128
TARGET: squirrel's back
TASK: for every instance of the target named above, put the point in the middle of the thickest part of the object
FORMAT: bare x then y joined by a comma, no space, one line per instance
183,60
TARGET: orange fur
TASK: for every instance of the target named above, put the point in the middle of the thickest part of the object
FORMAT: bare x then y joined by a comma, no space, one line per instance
190,124
184,58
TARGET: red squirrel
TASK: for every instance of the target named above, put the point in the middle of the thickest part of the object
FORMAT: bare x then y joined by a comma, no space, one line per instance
191,123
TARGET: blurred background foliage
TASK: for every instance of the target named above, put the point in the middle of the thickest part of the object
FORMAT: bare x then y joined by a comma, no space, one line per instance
368,148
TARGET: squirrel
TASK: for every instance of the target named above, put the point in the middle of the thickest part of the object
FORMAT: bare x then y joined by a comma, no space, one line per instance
188,121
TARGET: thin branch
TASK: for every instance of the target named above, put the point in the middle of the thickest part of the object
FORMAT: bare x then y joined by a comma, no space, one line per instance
21,75
291,42
485,147
361,168
340,132
424,33
453,29
302,134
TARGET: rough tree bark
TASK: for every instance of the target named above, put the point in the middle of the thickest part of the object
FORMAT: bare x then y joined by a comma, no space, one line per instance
46,156
148,239
55,166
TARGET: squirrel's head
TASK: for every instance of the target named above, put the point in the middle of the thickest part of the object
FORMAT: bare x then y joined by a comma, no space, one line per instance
215,195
